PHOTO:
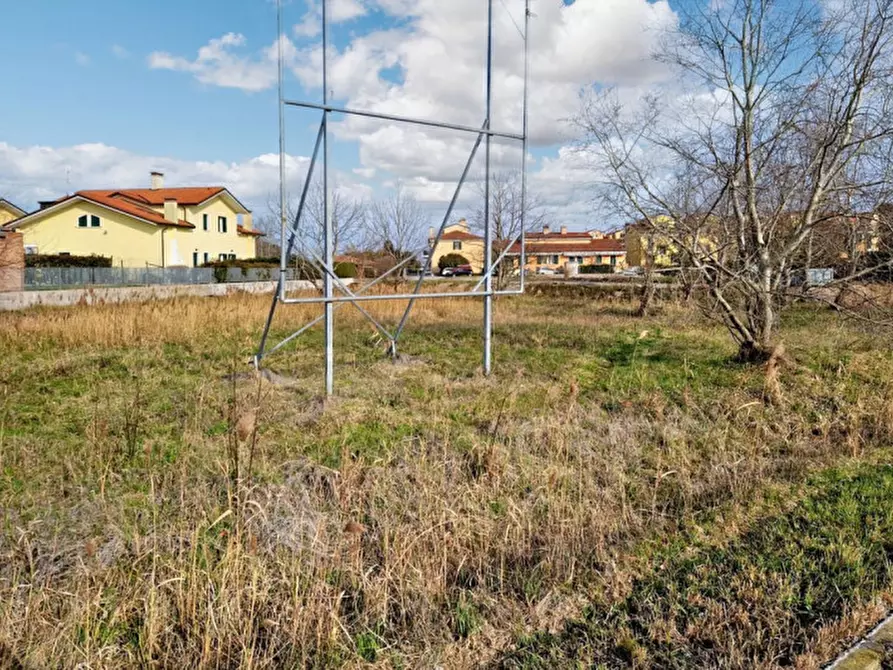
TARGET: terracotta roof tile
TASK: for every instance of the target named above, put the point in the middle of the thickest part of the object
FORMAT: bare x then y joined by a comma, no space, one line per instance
114,201
155,197
602,246
242,230
460,235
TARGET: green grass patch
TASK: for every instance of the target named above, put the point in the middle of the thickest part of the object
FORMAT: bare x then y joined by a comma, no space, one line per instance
758,598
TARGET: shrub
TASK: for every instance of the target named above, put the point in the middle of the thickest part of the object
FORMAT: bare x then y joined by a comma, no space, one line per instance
452,261
596,269
346,270
59,261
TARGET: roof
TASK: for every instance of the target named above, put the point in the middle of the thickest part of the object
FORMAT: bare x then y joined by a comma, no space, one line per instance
138,203
10,206
601,246
558,236
460,235
155,197
242,230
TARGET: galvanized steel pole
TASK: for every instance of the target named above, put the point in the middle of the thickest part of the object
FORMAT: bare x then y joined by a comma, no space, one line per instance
329,251
488,237
522,259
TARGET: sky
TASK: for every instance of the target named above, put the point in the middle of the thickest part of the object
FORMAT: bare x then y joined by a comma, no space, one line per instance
97,93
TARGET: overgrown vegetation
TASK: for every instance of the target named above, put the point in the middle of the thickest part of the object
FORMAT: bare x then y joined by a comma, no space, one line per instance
621,474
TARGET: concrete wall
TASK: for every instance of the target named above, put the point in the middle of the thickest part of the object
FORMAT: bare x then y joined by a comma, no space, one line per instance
12,262
99,296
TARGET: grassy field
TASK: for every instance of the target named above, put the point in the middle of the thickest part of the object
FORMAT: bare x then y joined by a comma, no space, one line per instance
619,493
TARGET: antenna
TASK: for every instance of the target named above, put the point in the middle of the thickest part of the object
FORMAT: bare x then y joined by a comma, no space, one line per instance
484,288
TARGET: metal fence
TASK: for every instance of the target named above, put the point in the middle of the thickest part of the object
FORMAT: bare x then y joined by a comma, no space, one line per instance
56,278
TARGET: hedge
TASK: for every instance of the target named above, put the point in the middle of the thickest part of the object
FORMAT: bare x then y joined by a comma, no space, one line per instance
60,261
452,261
346,270
596,269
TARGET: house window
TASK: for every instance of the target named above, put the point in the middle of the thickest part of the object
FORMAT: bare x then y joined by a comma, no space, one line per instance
554,260
457,246
205,222
92,221
221,225
222,257
30,249
207,257
195,259
232,257
613,261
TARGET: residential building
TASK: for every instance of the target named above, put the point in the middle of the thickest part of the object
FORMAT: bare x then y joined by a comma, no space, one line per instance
155,226
9,212
458,239
554,250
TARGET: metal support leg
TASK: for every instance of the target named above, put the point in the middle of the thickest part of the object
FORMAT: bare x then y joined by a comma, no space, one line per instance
329,251
488,241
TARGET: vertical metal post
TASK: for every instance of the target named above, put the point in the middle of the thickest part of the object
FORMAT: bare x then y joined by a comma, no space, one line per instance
329,251
522,259
488,241
283,260
283,253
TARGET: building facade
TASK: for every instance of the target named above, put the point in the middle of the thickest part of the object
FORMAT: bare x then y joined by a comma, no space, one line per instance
552,251
458,239
157,226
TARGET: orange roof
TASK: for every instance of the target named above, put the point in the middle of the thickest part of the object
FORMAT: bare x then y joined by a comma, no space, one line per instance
459,235
602,246
242,230
192,195
114,200
558,236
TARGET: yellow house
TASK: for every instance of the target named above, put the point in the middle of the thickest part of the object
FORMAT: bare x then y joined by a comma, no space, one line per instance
156,226
9,212
553,250
458,239
642,241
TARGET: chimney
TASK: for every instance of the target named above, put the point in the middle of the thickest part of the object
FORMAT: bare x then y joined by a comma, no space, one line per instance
156,180
463,224
43,204
564,230
546,230
171,210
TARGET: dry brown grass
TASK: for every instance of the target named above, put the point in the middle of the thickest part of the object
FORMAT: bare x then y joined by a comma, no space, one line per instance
427,516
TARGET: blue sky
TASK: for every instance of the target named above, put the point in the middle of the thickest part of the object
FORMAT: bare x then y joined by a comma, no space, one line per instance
99,92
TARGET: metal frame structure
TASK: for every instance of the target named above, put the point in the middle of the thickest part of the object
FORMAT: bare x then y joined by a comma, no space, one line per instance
482,289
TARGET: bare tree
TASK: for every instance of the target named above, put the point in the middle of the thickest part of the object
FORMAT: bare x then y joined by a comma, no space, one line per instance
507,211
792,111
348,220
396,226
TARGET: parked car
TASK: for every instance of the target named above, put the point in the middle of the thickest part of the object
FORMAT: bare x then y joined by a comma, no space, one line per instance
633,271
458,271
546,271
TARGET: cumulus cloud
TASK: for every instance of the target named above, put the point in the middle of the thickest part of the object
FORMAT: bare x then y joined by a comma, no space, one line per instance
31,174
219,63
425,58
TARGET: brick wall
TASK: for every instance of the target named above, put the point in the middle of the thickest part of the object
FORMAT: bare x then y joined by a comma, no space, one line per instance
12,262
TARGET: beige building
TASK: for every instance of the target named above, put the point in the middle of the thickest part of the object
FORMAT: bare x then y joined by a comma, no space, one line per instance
554,250
155,226
458,239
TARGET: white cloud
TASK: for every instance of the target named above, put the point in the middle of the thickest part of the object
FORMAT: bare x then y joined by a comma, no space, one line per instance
31,174
81,59
218,64
425,58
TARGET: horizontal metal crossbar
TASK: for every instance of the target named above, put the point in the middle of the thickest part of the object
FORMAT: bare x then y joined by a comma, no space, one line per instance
404,119
316,300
